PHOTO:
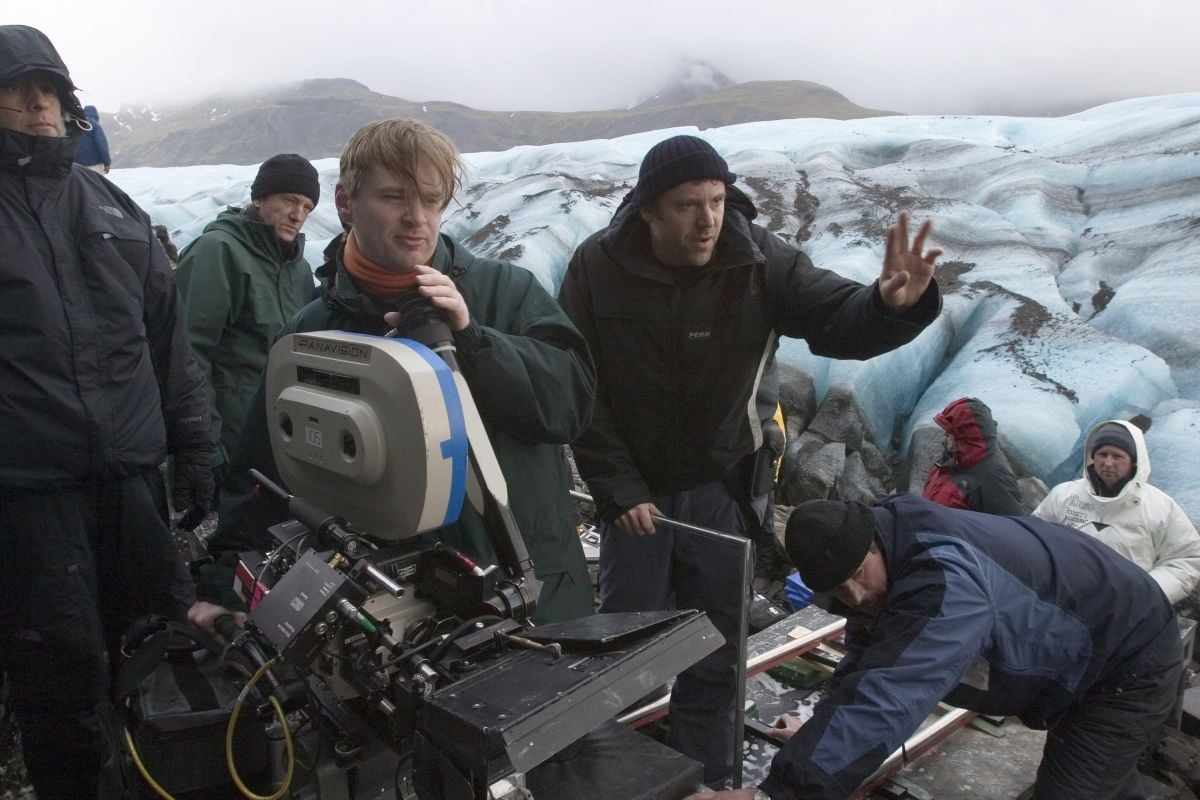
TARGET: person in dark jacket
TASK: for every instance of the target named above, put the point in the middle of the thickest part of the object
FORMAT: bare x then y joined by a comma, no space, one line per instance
97,383
681,299
241,280
973,472
527,367
1001,615
91,148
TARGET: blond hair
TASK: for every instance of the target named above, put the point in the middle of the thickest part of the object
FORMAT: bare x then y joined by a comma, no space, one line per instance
398,145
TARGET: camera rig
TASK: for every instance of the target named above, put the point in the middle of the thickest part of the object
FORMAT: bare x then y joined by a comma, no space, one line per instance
417,663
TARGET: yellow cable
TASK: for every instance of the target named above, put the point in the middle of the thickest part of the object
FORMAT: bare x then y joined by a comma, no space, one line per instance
287,740
141,768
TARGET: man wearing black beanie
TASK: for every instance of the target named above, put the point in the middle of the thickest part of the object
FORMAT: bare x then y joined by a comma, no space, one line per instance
681,299
1115,503
1075,639
241,280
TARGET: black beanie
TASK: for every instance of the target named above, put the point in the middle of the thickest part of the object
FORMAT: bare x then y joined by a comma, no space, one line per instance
286,173
827,540
678,160
1111,433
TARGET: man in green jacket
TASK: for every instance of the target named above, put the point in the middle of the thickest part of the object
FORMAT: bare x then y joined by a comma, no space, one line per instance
527,366
241,281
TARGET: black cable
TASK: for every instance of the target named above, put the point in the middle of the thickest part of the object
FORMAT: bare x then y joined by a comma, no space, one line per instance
441,649
269,557
409,653
300,535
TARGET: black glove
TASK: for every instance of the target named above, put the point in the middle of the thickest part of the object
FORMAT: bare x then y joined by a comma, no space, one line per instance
193,485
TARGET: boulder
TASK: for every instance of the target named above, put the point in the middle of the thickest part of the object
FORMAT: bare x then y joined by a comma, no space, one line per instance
798,450
924,448
798,397
839,419
854,483
1033,491
815,477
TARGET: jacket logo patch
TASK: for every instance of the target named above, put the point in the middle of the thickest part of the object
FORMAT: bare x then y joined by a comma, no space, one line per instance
699,336
112,212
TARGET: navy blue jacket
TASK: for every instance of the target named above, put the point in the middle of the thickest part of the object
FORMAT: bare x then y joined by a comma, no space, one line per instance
92,146
1053,612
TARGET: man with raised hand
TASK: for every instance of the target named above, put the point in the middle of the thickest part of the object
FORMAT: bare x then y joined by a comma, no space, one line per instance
681,299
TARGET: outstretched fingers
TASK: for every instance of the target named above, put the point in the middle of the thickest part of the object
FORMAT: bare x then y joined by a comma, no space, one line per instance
923,231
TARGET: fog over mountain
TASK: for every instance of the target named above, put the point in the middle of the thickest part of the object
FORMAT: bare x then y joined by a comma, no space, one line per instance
316,117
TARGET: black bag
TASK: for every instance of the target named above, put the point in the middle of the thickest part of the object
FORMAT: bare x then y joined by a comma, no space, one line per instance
175,695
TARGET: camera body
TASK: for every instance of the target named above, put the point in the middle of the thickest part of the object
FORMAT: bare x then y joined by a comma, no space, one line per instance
414,671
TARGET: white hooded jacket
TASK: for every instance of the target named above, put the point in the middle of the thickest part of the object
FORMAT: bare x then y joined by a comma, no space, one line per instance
1141,523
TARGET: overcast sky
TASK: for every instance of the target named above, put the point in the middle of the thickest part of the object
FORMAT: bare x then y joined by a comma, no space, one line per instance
922,56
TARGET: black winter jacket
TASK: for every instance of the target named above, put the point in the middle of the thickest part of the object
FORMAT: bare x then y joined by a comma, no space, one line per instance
681,354
96,373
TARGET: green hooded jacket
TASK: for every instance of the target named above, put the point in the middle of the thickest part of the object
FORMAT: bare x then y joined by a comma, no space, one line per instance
240,285
533,381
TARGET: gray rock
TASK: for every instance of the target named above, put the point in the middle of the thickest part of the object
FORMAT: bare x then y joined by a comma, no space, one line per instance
854,483
798,450
798,397
1033,491
874,461
839,419
816,476
924,448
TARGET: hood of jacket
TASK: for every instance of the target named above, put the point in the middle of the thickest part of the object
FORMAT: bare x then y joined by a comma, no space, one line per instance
24,49
627,238
970,422
1141,470
258,237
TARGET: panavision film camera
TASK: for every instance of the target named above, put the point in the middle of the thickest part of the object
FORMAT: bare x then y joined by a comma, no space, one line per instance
391,664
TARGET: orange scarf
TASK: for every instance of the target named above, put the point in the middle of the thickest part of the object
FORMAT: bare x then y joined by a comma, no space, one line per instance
379,283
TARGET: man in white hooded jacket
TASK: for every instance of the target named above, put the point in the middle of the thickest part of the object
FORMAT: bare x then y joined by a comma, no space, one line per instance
1115,503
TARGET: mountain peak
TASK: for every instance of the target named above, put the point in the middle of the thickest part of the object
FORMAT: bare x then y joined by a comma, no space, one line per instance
692,79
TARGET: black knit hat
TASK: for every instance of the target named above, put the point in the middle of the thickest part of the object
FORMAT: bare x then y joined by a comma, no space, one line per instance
1111,433
678,160
286,173
827,540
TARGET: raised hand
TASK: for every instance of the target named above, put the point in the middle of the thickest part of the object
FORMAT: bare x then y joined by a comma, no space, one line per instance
906,271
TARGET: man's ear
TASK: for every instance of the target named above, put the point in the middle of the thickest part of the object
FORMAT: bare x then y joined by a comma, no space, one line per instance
341,201
647,214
